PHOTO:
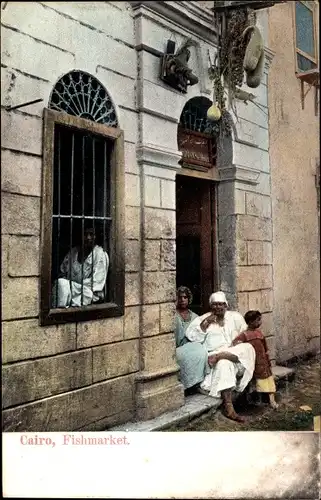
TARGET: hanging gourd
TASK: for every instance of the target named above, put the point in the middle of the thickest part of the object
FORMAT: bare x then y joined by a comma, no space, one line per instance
214,113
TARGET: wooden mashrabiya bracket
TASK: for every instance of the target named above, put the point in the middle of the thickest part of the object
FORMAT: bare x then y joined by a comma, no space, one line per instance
312,79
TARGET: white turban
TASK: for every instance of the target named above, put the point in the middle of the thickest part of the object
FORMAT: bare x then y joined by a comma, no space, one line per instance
218,297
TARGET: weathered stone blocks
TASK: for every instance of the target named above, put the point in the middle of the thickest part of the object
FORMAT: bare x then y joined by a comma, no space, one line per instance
261,300
253,228
31,380
168,190
152,192
20,173
78,409
167,317
20,214
132,322
132,255
20,298
132,223
241,253
242,302
104,331
25,339
131,165
259,252
159,223
158,353
150,320
168,255
151,402
267,324
132,190
114,360
132,289
152,255
23,256
50,65
254,277
259,205
159,286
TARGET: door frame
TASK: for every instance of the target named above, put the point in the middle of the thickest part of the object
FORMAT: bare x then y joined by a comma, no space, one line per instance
213,190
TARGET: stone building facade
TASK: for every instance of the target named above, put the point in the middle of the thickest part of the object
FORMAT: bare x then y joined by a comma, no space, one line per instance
93,374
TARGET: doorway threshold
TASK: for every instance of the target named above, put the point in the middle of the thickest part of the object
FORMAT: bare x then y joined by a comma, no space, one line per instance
195,405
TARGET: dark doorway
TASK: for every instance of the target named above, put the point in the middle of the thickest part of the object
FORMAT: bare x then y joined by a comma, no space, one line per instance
195,238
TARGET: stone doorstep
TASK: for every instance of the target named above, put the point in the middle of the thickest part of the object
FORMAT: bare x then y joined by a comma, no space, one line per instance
194,406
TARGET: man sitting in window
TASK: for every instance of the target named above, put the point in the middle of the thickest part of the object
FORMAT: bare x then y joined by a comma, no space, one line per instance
83,274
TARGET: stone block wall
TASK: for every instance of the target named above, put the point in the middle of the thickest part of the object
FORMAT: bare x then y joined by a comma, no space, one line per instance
159,108
74,376
244,208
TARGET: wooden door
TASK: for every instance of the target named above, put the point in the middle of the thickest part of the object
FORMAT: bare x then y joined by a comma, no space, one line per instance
195,238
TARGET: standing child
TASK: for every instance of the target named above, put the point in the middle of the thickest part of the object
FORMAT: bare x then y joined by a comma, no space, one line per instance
262,371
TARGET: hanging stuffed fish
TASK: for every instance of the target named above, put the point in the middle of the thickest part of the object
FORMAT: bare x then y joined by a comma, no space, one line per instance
253,62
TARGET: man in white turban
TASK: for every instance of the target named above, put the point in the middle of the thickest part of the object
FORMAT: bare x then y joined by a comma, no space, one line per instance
231,367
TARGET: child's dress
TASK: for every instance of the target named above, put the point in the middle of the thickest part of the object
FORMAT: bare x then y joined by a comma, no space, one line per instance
262,371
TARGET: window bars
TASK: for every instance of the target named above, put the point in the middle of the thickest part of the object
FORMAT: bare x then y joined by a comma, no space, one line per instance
81,217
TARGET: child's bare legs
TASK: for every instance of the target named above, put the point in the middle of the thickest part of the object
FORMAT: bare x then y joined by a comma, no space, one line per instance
259,400
273,403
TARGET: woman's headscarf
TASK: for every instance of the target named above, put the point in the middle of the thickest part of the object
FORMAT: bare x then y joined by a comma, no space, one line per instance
186,291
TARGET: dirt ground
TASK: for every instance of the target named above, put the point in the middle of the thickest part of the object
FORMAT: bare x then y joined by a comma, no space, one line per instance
303,390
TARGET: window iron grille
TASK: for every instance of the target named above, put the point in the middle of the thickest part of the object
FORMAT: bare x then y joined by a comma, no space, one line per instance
80,94
194,117
82,194
197,136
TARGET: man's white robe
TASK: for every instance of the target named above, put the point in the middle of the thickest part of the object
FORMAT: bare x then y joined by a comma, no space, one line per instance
81,283
225,374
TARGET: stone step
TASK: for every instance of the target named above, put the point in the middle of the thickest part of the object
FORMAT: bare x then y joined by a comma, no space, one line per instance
194,406
282,372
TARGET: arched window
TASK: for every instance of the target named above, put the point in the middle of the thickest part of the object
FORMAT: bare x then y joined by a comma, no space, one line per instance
80,94
197,136
82,258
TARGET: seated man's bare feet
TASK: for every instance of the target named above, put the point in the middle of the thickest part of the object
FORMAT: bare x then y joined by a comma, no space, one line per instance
232,415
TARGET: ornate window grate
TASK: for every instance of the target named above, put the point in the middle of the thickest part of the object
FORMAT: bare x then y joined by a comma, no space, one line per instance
80,94
194,117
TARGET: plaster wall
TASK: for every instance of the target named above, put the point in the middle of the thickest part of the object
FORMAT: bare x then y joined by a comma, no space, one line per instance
294,154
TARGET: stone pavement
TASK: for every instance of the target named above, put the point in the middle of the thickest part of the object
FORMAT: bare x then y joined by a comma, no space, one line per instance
195,406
